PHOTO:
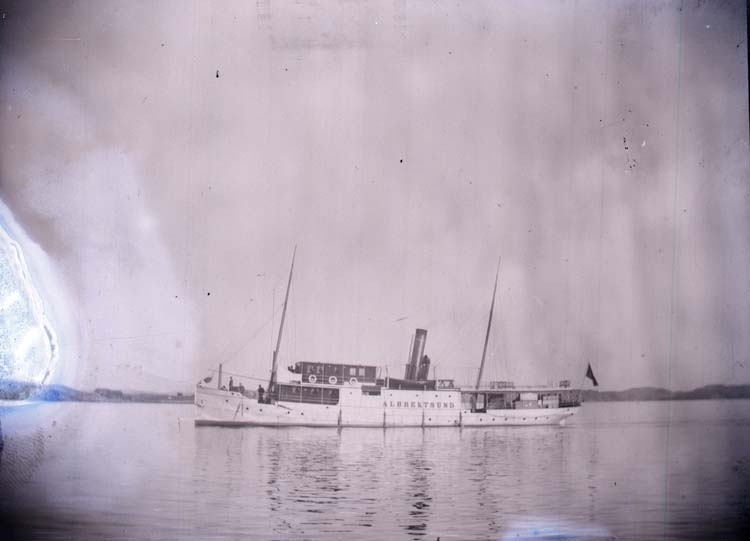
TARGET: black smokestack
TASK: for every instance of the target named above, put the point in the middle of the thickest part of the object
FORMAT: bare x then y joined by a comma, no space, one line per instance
417,351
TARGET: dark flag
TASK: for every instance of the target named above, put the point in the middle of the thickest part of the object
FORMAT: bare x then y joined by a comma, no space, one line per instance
590,375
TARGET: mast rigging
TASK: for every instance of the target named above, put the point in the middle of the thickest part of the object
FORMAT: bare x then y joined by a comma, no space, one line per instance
274,366
489,326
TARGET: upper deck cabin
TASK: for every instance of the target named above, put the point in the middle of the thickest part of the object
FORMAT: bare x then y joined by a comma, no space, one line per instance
500,395
334,374
353,374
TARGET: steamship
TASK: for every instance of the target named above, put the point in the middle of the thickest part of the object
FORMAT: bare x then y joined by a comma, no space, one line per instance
336,395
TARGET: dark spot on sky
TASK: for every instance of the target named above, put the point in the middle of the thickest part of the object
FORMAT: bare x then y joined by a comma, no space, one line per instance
217,74
401,160
208,294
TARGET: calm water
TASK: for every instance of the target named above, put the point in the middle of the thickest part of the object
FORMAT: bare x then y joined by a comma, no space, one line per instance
142,471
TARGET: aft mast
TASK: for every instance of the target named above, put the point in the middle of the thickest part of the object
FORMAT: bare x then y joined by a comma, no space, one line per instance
274,366
489,326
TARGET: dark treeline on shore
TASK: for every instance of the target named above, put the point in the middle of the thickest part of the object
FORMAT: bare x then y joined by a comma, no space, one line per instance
707,392
14,390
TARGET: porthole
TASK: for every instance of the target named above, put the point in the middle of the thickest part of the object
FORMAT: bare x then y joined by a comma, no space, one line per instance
524,419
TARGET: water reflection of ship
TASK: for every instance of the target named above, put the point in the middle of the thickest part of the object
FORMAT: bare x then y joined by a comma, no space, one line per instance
332,394
419,487
303,487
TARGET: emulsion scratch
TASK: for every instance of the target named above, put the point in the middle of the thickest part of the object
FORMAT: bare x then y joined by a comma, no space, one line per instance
631,163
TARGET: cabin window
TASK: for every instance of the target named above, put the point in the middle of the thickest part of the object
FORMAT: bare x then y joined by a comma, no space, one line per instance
310,395
352,371
372,390
361,372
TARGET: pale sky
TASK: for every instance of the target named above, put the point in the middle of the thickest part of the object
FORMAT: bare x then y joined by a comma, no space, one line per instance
599,148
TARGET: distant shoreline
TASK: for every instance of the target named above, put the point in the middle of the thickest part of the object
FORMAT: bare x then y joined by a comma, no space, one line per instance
13,390
641,394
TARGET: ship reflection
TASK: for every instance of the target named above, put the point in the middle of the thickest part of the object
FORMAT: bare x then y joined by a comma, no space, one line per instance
303,486
419,487
417,501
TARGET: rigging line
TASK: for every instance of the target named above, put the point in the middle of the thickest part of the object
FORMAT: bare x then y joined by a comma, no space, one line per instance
571,221
449,349
273,314
235,374
274,365
597,342
489,324
228,358
227,345
676,222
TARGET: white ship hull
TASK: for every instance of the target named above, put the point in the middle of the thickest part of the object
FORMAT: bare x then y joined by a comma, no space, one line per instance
393,408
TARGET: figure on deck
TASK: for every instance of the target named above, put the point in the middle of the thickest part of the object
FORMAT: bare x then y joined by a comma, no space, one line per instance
261,392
